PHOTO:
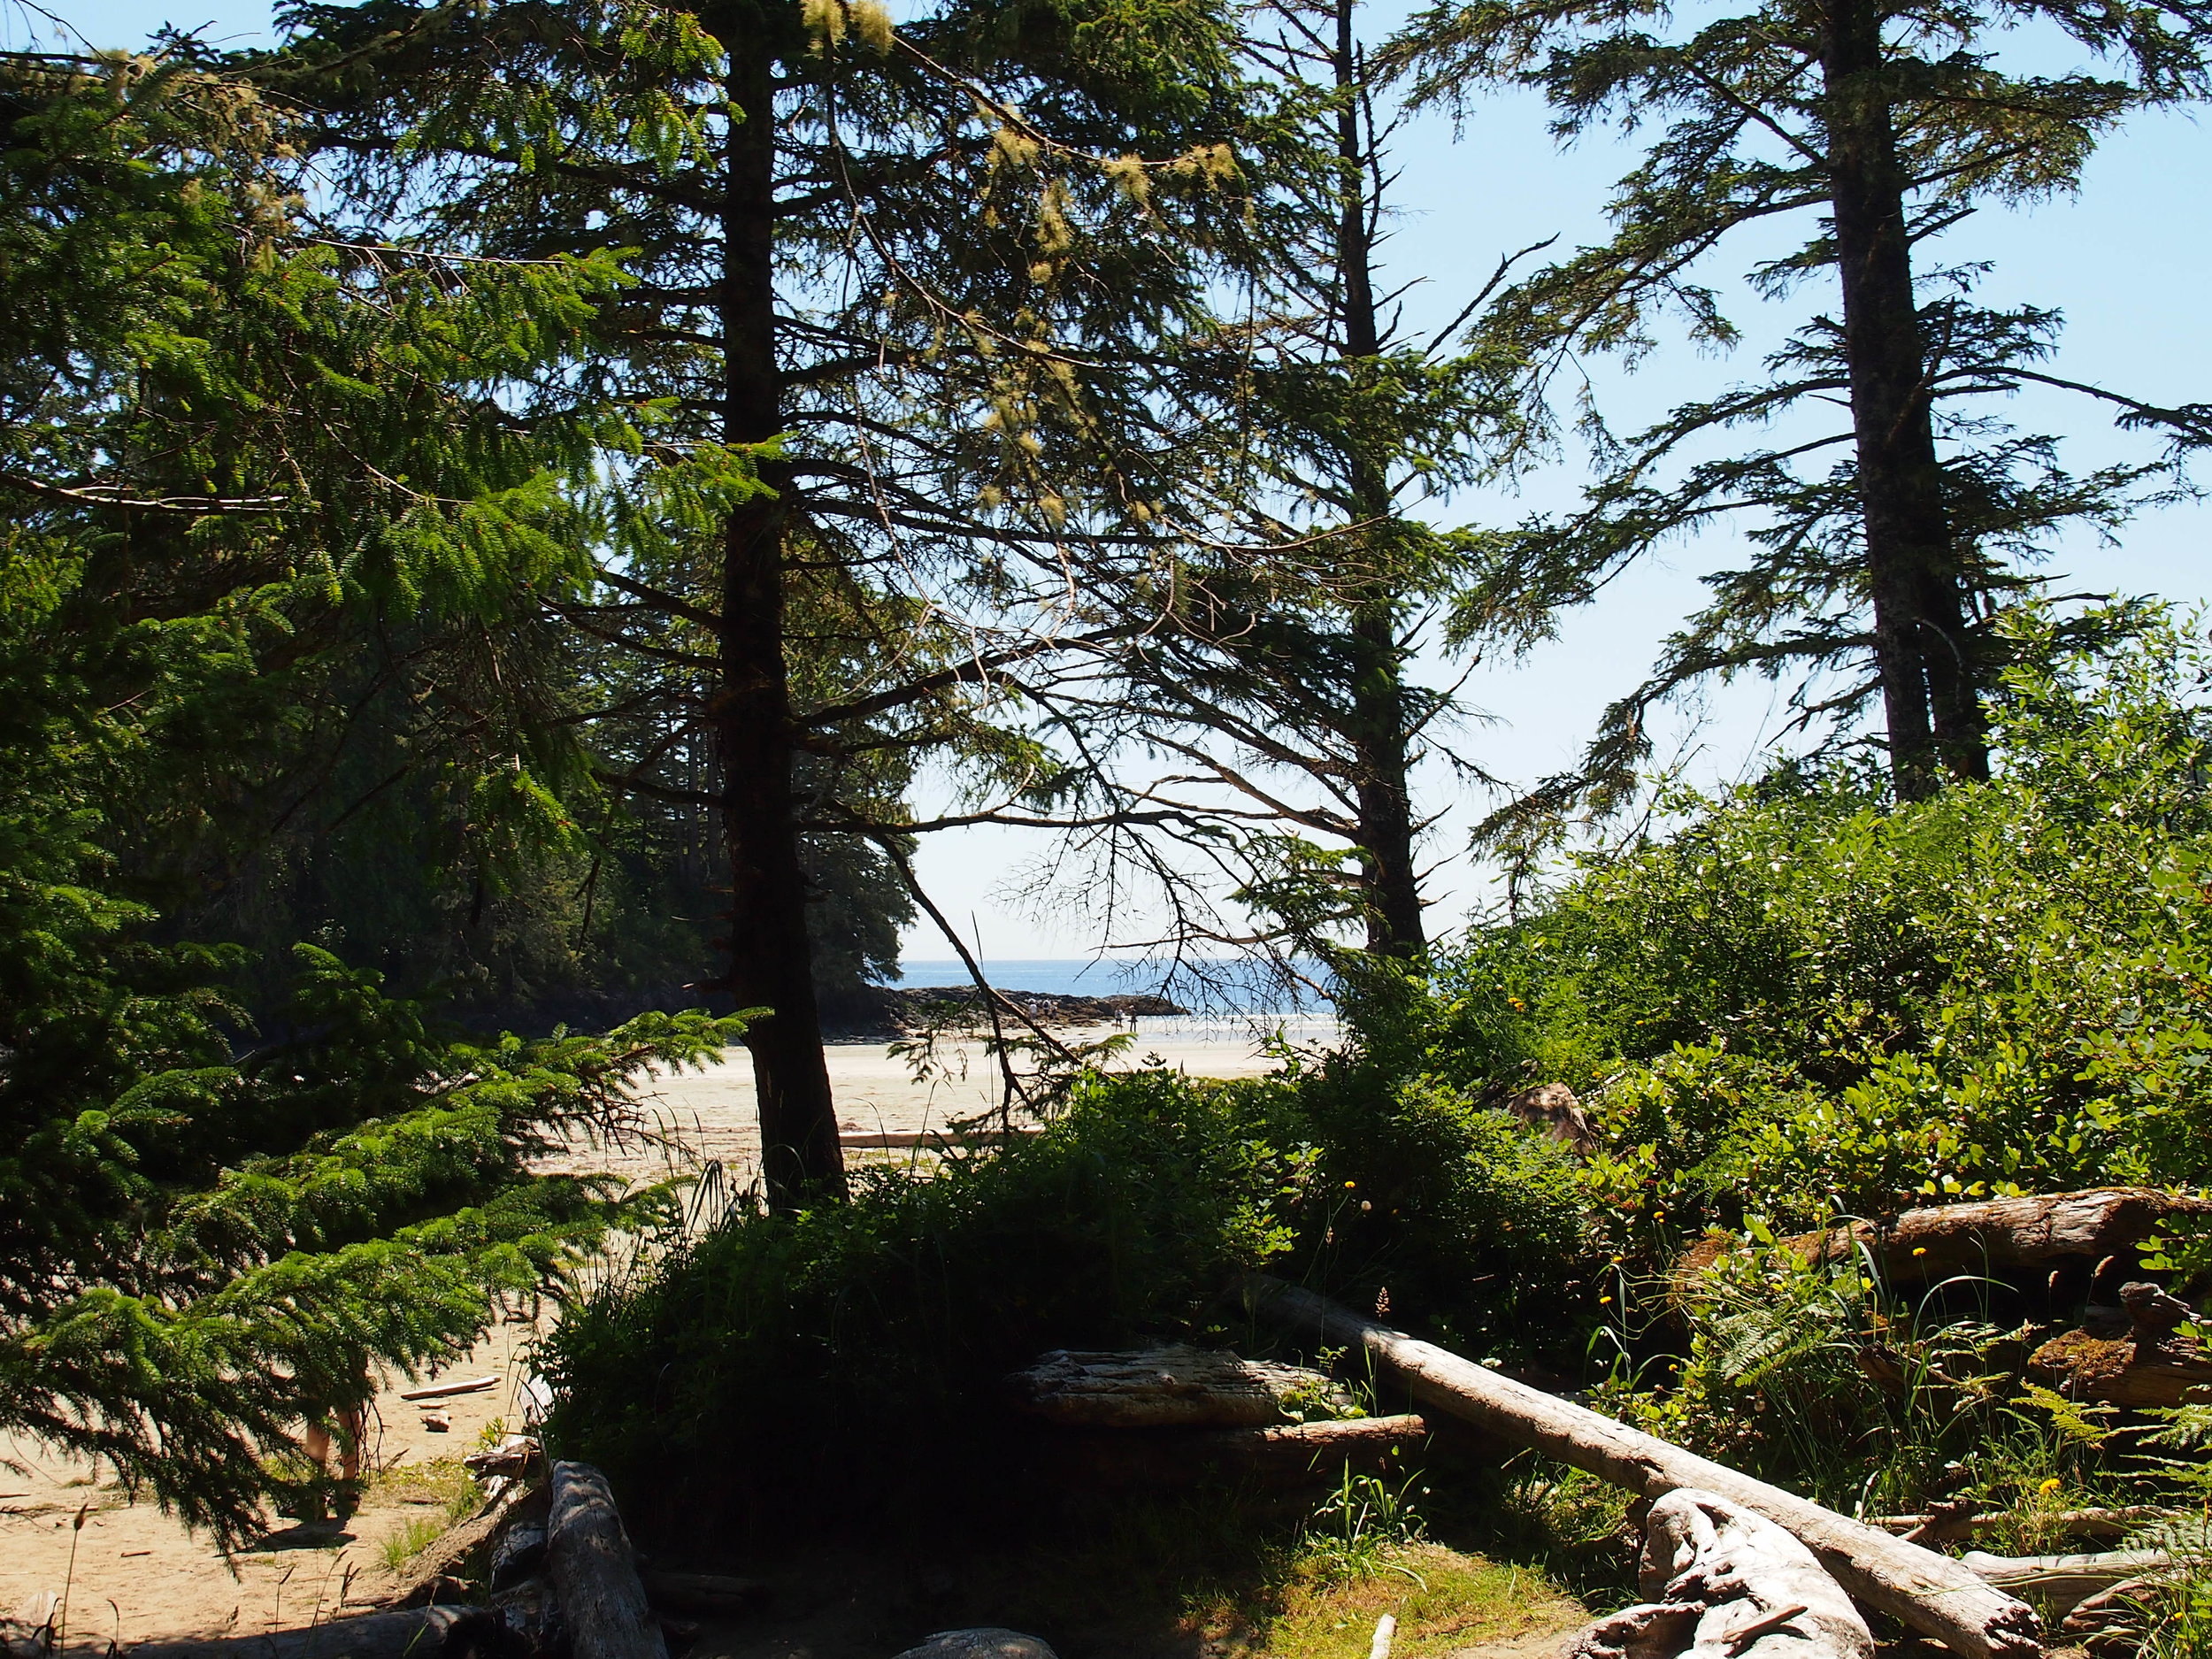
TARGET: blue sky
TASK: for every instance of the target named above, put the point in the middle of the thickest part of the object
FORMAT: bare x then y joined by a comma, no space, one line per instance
2125,261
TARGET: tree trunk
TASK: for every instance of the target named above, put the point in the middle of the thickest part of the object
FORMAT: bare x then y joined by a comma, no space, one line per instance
1378,703
1922,647
1931,1593
771,959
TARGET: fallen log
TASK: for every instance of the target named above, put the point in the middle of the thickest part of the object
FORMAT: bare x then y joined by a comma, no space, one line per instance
1280,1454
1931,1593
2112,1620
1998,1233
414,1634
706,1592
1948,1524
1717,1578
593,1569
1178,1387
2059,1582
2120,1372
427,1574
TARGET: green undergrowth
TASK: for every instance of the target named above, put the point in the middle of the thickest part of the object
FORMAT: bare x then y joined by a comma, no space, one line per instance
1217,1573
855,1351
1800,1001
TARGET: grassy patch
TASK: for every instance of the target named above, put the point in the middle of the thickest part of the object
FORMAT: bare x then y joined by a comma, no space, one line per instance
442,1485
1443,1601
411,1540
444,1492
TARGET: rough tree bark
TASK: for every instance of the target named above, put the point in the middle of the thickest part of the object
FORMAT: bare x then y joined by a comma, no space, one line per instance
1178,1387
593,1569
770,960
1931,1593
1383,788
1922,648
1998,1233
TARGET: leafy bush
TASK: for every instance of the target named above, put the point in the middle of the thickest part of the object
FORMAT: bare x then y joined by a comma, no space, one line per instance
857,1350
1809,998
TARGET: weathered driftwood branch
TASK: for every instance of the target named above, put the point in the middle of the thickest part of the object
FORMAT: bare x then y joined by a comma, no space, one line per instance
1282,1454
1963,1522
2113,1617
1164,1387
593,1570
2059,1582
414,1634
1931,1593
1717,1578
428,1575
446,1391
1998,1233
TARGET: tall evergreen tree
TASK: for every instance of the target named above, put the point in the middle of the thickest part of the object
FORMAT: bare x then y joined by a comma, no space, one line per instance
1884,122
1281,678
930,267
222,434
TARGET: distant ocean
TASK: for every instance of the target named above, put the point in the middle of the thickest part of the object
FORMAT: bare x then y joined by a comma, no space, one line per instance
1233,988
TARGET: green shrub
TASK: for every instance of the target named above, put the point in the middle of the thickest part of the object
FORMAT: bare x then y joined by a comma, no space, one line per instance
851,1357
855,1351
1808,999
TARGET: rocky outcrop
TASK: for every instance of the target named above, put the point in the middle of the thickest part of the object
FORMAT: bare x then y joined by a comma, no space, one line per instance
886,1011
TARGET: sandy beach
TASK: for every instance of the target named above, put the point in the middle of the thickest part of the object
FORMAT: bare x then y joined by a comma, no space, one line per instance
709,1116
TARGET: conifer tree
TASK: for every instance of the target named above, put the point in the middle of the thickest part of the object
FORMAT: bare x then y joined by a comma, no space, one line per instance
1884,122
929,269
221,427
1281,677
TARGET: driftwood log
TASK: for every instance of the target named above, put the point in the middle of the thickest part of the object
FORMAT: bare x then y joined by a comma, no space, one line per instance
1178,1386
1717,1578
2121,1372
593,1569
1282,1454
413,1633
1962,1520
1931,1593
1998,1233
2059,1582
428,1574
